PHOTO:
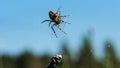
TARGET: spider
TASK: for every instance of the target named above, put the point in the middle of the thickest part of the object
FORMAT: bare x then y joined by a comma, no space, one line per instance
55,17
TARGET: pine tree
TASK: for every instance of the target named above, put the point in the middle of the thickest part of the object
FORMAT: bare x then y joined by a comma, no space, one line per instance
110,58
66,56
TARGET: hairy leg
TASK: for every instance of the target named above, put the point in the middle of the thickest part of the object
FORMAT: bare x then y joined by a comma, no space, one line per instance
61,29
53,29
50,23
65,16
58,11
65,22
45,21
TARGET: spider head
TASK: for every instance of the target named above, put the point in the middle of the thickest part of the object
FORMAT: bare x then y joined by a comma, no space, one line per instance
51,12
52,15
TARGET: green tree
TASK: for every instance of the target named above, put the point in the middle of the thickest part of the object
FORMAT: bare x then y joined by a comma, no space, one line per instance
28,60
8,62
111,60
45,60
85,57
66,56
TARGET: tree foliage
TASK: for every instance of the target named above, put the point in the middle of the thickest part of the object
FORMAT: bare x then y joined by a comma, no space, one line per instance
85,58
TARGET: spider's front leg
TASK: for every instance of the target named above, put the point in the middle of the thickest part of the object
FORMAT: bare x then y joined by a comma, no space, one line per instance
45,21
50,21
58,11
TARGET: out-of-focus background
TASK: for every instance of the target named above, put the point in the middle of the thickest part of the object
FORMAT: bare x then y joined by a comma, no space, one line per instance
92,39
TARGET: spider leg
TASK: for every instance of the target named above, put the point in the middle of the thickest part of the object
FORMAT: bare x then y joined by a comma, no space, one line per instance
66,22
65,16
53,30
45,21
61,30
50,23
58,11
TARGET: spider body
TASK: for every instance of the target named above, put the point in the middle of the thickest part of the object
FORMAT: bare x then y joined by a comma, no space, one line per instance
55,17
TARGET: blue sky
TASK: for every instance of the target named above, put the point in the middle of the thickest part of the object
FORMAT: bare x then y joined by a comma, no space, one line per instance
20,26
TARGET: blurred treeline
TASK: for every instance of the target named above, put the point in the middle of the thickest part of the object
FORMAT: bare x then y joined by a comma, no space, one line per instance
84,58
